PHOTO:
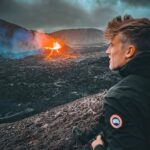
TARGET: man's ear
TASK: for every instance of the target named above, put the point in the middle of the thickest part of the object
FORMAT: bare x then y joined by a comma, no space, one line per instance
131,51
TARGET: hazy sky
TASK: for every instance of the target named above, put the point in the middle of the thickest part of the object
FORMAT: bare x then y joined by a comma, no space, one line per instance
52,15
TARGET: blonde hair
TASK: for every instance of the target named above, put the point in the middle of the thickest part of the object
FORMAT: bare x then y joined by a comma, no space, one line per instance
134,31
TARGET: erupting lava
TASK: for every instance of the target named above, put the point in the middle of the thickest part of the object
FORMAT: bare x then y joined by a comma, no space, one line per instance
56,47
53,47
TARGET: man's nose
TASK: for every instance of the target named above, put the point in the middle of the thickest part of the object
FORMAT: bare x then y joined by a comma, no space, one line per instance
108,51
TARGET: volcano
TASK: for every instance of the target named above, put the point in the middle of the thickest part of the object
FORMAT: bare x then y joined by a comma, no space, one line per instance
18,42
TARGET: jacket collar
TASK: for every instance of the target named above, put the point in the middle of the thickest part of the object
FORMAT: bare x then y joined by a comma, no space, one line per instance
139,65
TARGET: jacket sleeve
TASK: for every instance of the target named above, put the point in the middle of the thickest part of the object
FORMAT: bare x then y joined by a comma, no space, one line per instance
122,124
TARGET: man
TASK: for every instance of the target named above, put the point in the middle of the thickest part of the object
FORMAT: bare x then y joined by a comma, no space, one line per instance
126,124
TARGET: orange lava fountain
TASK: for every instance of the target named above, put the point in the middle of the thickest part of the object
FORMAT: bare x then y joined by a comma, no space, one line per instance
53,47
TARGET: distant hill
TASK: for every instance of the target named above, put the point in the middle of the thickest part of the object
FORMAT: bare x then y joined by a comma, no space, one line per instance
13,36
80,37
10,28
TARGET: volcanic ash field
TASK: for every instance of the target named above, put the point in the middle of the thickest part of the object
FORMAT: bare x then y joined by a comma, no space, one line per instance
33,84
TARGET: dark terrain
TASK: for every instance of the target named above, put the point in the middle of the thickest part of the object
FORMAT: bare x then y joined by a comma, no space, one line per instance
52,129
32,84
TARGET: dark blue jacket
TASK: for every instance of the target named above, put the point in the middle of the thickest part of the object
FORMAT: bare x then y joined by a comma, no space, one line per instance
126,124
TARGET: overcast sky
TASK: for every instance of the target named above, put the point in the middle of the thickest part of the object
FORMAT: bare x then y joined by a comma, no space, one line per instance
52,15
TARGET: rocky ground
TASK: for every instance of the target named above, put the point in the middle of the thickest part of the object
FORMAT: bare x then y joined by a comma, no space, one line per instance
38,99
31,85
52,129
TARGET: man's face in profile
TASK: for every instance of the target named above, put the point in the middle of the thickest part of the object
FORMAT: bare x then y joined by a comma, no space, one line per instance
116,53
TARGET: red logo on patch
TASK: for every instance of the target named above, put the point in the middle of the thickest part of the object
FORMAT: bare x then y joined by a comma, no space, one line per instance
116,121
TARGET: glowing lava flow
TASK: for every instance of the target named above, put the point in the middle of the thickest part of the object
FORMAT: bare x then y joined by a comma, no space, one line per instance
56,47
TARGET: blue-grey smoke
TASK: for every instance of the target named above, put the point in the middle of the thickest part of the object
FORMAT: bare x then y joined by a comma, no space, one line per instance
6,53
18,43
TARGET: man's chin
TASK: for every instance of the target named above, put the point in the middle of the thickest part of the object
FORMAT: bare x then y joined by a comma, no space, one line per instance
112,68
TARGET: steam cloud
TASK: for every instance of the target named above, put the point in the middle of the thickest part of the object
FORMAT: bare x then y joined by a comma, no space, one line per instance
18,44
